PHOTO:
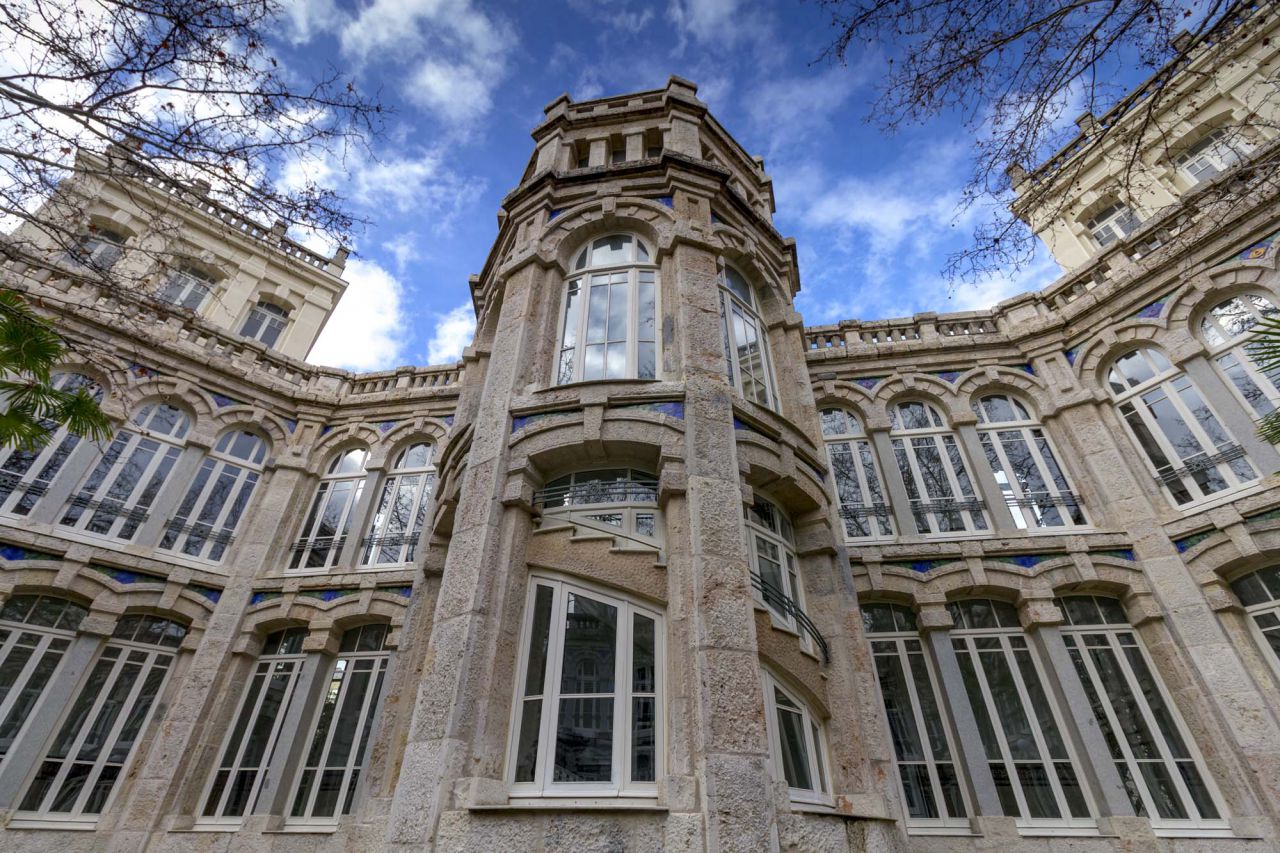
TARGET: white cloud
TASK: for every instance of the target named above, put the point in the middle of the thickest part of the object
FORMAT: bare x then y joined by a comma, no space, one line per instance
404,248
454,331
706,20
367,330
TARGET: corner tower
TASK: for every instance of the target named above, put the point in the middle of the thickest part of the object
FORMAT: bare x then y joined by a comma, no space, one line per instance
644,616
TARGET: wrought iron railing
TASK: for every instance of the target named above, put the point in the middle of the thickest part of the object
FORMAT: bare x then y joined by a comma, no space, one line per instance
599,492
1226,453
179,527
108,507
1037,499
863,511
949,505
779,600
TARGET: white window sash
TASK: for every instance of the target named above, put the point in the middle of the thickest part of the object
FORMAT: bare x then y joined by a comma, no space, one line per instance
310,540
908,440
577,319
816,755
165,456
243,478
372,552
60,444
1260,633
732,308
991,435
860,453
39,652
1264,384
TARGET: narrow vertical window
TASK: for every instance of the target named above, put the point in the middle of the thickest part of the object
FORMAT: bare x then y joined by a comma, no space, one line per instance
96,739
205,522
1034,485
933,470
775,571
745,341
922,744
797,742
266,322
251,742
588,720
609,325
35,632
25,475
402,509
1225,331
1154,753
1190,451
344,728
328,521
1259,592
863,507
116,496
1020,724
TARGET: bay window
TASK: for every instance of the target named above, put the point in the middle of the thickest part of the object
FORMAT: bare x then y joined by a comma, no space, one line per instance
588,720
327,523
1259,592
775,572
1226,330
608,499
933,470
797,743
115,497
1156,758
35,632
863,507
609,322
26,474
1188,448
745,341
1022,460
206,519
402,509
1027,749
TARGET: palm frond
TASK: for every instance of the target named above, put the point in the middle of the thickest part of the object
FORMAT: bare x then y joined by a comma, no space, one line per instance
1263,347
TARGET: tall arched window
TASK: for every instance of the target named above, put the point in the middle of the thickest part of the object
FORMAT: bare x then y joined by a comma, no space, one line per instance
206,520
933,470
863,507
797,743
402,508
98,734
1153,751
609,323
327,785
35,632
1019,721
625,499
1188,448
324,532
25,475
251,741
1259,592
775,566
1225,331
115,498
922,744
266,322
746,344
1033,483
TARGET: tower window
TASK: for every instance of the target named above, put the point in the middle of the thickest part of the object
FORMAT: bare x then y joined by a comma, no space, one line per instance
187,288
99,249
1113,222
745,343
265,323
1211,156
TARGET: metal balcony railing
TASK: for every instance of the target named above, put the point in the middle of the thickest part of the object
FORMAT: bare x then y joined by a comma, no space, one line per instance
599,492
778,600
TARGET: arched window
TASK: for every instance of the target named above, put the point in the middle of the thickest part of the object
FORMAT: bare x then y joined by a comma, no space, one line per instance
266,322
326,788
35,632
402,509
1028,751
1188,448
1114,221
25,475
206,520
96,739
797,743
775,569
863,507
187,287
1211,156
1259,592
251,741
622,499
609,327
115,498
98,249
1225,331
1154,752
328,522
745,343
577,733
922,744
933,471
1033,483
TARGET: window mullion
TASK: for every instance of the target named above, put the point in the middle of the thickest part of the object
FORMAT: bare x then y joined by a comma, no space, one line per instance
997,725
353,756
86,724
622,698
109,742
551,687
33,661
322,760
238,762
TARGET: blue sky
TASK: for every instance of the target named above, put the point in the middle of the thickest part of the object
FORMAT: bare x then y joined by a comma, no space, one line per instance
875,216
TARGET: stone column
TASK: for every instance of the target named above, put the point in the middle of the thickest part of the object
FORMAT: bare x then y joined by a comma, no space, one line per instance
983,480
899,503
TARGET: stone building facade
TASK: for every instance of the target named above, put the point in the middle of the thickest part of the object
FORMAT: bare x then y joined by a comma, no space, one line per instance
655,566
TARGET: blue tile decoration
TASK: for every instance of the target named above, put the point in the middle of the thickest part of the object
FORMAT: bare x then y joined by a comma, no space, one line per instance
329,594
384,426
553,214
126,576
1268,515
947,375
1027,368
223,401
666,200
1153,310
1188,542
1125,554
16,553
1071,355
142,371
448,419
208,592
1258,250
291,425
264,595
1026,561
326,429
672,408
402,591
921,566
869,382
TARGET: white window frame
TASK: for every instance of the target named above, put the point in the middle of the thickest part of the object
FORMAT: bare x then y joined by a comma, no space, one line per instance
818,758
1210,156
308,542
100,248
231,755
897,644
638,271
907,444
1114,634
620,785
1229,350
590,501
1165,380
963,641
340,675
51,644
843,434
402,546
1114,222
187,287
1267,609
738,301
28,474
780,537
128,513
1028,509
271,319
211,527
